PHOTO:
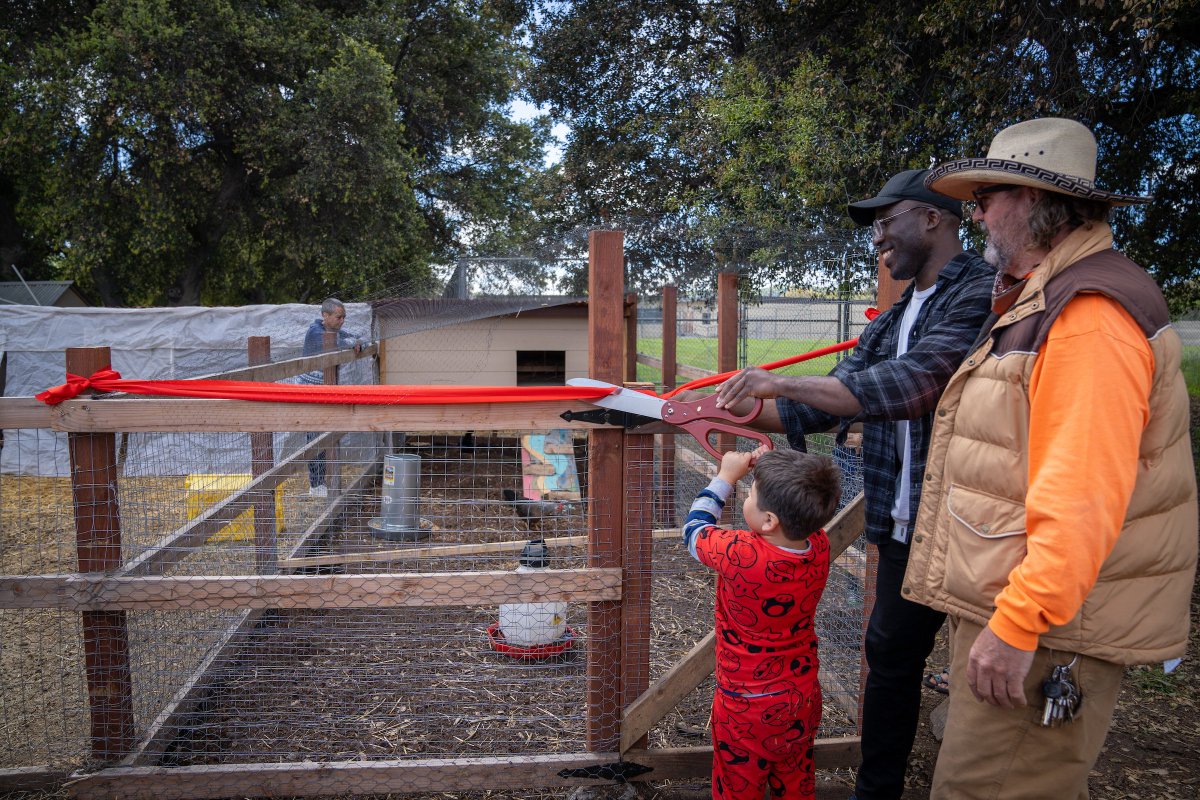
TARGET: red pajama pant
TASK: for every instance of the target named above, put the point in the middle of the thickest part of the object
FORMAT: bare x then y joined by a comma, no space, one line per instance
765,741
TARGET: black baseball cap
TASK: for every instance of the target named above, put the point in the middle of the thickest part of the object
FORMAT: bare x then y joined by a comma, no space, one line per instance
907,185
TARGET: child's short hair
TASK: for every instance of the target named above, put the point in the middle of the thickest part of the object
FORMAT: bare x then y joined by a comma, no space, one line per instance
802,489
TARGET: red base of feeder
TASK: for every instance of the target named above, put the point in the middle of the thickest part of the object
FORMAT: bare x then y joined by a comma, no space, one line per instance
535,652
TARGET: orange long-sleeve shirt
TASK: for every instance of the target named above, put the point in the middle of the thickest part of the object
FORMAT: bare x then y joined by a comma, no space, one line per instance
1089,403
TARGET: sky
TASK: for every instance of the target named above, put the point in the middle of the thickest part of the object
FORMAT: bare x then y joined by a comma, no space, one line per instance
522,110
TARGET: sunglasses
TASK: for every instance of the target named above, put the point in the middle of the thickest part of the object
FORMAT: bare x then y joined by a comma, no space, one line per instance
982,198
880,225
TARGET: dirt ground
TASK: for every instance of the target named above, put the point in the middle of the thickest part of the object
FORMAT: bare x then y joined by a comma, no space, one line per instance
1152,750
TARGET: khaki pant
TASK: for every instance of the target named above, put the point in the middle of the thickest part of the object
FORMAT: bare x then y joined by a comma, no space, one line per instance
1005,754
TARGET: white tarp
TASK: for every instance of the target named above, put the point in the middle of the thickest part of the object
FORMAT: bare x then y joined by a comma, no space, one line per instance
152,344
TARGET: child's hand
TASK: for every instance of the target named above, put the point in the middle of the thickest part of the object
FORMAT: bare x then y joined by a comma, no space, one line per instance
735,465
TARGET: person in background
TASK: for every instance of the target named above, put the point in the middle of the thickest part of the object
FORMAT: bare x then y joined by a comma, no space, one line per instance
333,317
1058,527
767,705
891,384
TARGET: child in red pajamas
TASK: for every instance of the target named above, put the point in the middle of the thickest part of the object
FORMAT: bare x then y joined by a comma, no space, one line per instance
769,580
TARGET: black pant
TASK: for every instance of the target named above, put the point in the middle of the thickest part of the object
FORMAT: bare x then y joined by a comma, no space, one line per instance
900,636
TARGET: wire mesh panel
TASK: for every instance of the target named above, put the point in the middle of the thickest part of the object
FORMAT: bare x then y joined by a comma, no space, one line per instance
397,596
683,593
774,329
212,682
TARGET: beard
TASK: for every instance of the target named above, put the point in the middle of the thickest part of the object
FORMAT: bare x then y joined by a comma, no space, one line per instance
993,256
1001,249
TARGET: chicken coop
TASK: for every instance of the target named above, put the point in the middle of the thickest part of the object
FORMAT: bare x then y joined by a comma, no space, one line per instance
445,618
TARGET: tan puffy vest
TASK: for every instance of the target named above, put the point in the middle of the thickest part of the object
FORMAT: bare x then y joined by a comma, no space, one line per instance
970,531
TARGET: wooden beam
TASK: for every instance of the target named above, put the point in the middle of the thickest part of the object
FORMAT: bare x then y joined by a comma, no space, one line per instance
605,525
449,550
645,712
75,592
98,546
727,321
266,373
631,330
176,546
329,516
676,763
688,371
689,672
262,460
670,336
184,414
23,412
846,526
889,289
670,371
29,412
31,779
322,779
727,341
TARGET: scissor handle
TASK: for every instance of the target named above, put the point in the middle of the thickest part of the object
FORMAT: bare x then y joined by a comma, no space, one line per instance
679,412
701,429
697,418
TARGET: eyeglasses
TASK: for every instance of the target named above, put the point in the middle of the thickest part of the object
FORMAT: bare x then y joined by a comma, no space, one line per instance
880,225
981,195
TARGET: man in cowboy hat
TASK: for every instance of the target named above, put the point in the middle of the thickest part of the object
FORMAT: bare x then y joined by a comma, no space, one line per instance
891,384
1058,520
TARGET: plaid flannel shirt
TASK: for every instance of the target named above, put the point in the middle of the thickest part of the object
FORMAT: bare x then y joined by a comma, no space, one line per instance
890,388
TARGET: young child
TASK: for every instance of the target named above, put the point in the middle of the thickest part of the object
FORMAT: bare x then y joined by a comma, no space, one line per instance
769,579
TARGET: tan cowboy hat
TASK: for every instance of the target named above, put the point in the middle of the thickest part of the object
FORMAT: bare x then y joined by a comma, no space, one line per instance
1058,155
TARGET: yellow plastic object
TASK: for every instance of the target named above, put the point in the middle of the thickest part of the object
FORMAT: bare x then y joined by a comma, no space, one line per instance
206,489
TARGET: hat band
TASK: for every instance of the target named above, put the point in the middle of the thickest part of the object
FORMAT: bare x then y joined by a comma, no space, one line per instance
1056,181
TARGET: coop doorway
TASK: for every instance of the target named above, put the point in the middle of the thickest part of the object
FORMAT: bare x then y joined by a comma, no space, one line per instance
541,367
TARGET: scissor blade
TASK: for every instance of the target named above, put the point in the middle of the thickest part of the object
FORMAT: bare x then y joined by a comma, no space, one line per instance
622,399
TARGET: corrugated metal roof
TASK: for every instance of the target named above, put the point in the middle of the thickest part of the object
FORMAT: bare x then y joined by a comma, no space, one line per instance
411,314
33,293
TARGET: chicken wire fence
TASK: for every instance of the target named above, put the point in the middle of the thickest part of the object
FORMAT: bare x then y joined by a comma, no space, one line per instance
219,683
342,680
769,329
357,674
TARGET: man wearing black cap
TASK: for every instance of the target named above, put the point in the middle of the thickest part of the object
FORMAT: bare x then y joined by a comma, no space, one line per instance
891,383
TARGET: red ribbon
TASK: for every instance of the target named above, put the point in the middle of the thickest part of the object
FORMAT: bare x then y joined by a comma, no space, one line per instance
108,380
101,380
700,383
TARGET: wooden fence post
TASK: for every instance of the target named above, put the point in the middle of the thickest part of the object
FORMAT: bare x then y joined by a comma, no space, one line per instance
98,545
670,327
262,458
605,490
631,337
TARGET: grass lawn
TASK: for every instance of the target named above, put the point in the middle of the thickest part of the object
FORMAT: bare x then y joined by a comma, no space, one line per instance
1191,370
702,353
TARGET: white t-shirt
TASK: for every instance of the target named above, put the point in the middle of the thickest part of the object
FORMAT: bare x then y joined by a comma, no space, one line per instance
901,513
